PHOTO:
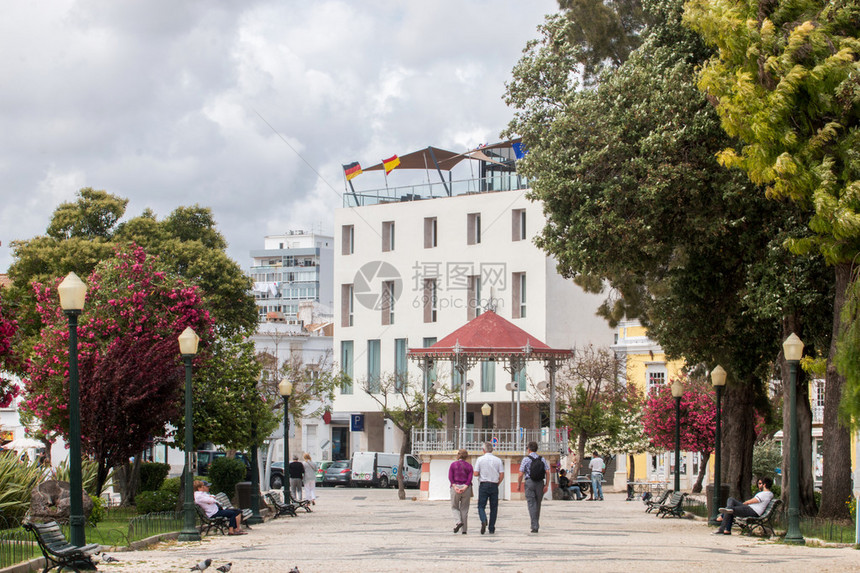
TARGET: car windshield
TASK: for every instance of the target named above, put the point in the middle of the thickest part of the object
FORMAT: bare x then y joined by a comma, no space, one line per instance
338,465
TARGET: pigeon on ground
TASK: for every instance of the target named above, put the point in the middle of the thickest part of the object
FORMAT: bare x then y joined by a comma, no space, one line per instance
295,570
225,568
108,559
202,565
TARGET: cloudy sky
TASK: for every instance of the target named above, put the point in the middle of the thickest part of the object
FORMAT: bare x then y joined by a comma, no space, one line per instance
170,103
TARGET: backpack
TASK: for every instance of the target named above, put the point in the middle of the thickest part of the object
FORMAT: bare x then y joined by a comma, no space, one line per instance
537,471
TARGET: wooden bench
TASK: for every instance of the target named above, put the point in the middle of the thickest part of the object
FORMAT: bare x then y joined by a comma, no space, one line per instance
656,502
673,506
58,551
224,502
299,503
763,522
220,524
281,508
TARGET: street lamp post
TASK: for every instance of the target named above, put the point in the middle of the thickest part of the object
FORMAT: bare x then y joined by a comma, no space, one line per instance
285,388
677,392
188,341
73,292
793,350
718,379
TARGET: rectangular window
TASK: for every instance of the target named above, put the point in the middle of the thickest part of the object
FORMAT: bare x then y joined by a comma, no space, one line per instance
347,239
388,236
488,376
400,364
373,366
347,355
656,378
430,236
518,295
456,378
518,225
473,304
520,379
387,303
473,231
430,377
430,300
347,304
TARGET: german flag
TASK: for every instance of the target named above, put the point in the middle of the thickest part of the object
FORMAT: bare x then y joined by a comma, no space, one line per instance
352,170
390,163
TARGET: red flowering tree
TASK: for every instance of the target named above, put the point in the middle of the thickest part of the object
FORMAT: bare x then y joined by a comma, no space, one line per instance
8,357
130,372
698,420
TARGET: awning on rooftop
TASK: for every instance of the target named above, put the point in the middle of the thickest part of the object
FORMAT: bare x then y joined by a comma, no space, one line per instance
423,158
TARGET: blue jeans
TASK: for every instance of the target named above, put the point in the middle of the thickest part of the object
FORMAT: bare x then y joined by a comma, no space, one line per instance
488,491
597,484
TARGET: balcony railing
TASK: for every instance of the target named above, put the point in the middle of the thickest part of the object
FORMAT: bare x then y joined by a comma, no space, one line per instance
452,439
501,182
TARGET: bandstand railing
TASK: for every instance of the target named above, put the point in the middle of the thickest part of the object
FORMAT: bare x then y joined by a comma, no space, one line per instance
452,439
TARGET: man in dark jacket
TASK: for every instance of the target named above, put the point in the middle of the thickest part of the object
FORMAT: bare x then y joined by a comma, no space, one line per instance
297,472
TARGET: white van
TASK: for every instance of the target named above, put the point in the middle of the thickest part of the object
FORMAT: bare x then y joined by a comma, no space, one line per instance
380,469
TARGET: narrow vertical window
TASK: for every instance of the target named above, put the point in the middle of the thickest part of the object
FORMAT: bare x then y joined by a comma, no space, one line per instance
518,225
400,364
347,355
473,304
373,366
347,304
388,236
488,376
430,300
518,295
387,303
347,240
430,232
473,230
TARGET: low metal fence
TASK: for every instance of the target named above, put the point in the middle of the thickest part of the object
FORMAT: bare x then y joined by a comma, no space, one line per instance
16,544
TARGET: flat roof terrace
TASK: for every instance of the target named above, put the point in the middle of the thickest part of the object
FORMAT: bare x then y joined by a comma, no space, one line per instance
442,189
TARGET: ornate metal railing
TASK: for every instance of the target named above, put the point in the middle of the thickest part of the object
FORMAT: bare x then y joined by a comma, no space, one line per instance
452,439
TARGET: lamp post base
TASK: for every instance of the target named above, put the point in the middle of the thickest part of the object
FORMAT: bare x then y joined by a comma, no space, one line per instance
192,535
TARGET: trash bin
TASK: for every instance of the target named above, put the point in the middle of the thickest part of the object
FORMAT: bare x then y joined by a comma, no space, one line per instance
724,496
244,489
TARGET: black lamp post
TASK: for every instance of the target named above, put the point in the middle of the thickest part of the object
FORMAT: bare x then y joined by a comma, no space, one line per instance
285,388
718,379
73,292
677,392
188,341
793,350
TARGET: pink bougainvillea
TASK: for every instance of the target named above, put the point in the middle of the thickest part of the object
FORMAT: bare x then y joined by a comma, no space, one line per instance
128,356
9,361
698,417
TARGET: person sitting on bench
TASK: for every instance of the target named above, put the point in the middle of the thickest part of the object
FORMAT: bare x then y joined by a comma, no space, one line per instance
210,507
752,507
572,488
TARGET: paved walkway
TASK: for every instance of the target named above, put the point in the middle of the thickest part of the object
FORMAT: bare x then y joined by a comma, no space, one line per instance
370,530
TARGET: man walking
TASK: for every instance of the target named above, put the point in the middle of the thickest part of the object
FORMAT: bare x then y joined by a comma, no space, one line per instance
490,472
297,472
597,468
535,469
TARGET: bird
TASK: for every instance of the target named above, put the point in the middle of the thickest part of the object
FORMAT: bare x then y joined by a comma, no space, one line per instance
295,570
202,565
225,568
108,559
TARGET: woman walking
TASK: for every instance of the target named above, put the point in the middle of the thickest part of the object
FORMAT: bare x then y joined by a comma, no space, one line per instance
460,477
310,479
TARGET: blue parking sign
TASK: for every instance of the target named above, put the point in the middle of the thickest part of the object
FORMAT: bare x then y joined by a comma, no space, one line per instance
357,422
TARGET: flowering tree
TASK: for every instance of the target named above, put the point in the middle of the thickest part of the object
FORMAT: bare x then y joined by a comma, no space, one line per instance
130,376
8,358
698,420
630,436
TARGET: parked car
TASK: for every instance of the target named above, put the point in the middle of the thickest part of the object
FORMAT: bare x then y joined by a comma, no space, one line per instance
206,457
338,473
380,469
323,466
276,476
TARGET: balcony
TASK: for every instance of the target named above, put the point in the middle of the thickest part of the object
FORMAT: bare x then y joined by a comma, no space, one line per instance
452,439
500,182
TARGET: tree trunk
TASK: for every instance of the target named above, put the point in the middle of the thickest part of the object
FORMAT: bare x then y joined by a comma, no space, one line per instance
836,481
804,427
738,438
580,450
703,469
405,448
631,474
128,480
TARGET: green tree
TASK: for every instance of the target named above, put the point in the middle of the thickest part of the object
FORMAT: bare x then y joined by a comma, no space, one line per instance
786,85
629,437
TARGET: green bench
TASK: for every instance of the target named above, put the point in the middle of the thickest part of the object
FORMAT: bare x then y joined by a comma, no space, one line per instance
58,551
763,522
224,502
673,506
281,508
220,524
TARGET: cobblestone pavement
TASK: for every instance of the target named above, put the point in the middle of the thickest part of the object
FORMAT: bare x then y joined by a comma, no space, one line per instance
370,530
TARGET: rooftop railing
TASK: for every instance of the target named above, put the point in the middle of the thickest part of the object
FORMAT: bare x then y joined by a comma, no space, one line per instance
453,439
501,182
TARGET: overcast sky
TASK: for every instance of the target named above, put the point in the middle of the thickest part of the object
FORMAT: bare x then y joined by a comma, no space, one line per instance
163,102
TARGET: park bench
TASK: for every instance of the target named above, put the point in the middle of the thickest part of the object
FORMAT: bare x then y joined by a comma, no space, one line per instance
58,551
299,503
673,506
764,522
220,524
656,502
224,502
281,508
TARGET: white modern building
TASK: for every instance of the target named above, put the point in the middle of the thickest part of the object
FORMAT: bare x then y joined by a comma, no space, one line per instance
290,269
413,264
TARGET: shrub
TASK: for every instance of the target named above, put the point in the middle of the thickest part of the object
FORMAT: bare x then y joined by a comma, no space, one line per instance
172,485
17,481
152,475
225,473
155,501
767,456
98,512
